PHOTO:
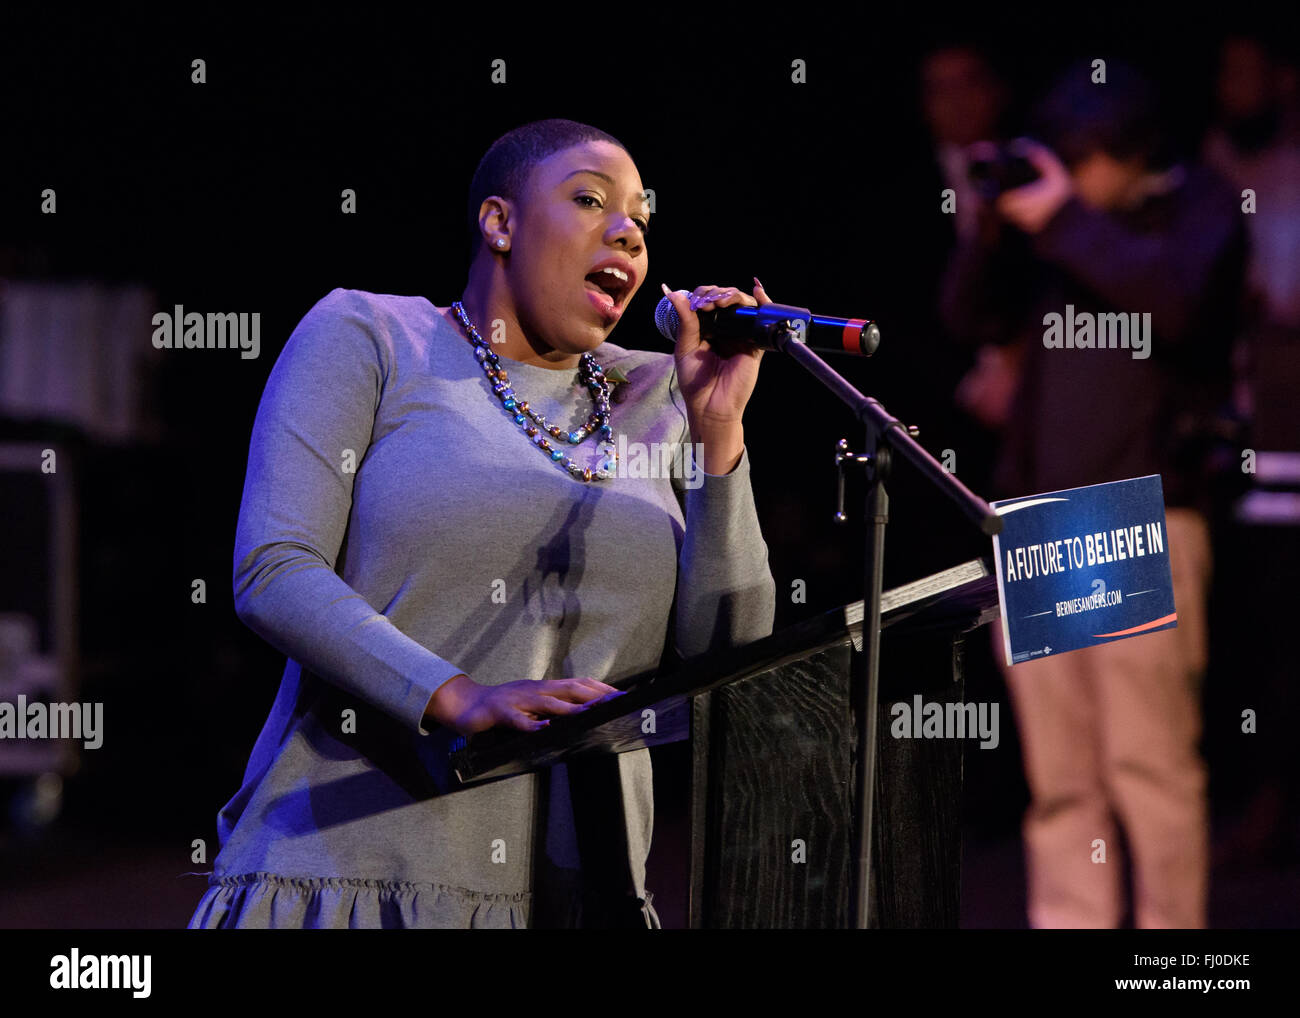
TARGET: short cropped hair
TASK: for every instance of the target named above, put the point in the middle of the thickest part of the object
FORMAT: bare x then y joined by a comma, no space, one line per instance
505,167
1120,117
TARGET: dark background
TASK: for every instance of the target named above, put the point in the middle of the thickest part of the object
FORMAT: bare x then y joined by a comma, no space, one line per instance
225,196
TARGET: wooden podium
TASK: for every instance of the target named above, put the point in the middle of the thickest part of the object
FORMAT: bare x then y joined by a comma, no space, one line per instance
772,734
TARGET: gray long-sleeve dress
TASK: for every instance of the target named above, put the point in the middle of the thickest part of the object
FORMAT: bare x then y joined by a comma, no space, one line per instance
398,528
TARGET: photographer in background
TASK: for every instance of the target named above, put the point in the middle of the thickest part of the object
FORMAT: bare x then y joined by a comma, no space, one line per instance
964,100
1099,217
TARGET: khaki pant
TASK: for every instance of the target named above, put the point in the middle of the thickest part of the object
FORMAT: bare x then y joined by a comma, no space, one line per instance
1110,736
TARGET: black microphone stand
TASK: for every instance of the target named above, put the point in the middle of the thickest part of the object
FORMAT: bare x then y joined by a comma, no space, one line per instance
782,327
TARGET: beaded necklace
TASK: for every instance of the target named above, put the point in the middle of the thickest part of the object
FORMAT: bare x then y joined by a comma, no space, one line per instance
590,374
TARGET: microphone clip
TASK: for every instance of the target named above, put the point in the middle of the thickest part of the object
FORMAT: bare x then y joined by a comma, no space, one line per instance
878,464
775,325
842,454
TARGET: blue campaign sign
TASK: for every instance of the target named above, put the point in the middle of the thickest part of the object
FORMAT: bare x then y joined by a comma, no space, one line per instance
1083,566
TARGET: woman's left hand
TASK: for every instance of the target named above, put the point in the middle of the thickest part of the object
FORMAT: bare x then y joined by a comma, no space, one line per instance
716,388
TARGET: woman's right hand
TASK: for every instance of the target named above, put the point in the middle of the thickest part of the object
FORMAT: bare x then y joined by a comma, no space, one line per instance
462,704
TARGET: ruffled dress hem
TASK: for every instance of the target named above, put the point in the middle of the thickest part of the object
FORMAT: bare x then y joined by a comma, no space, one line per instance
271,901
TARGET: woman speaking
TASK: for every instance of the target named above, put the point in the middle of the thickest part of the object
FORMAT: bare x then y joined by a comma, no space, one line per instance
438,532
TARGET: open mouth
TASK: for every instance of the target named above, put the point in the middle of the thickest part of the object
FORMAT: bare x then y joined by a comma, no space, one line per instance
610,284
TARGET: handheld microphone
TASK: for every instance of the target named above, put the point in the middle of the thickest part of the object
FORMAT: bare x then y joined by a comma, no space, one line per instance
758,325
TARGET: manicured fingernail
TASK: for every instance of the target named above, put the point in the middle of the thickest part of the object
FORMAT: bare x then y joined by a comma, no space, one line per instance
664,287
759,284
